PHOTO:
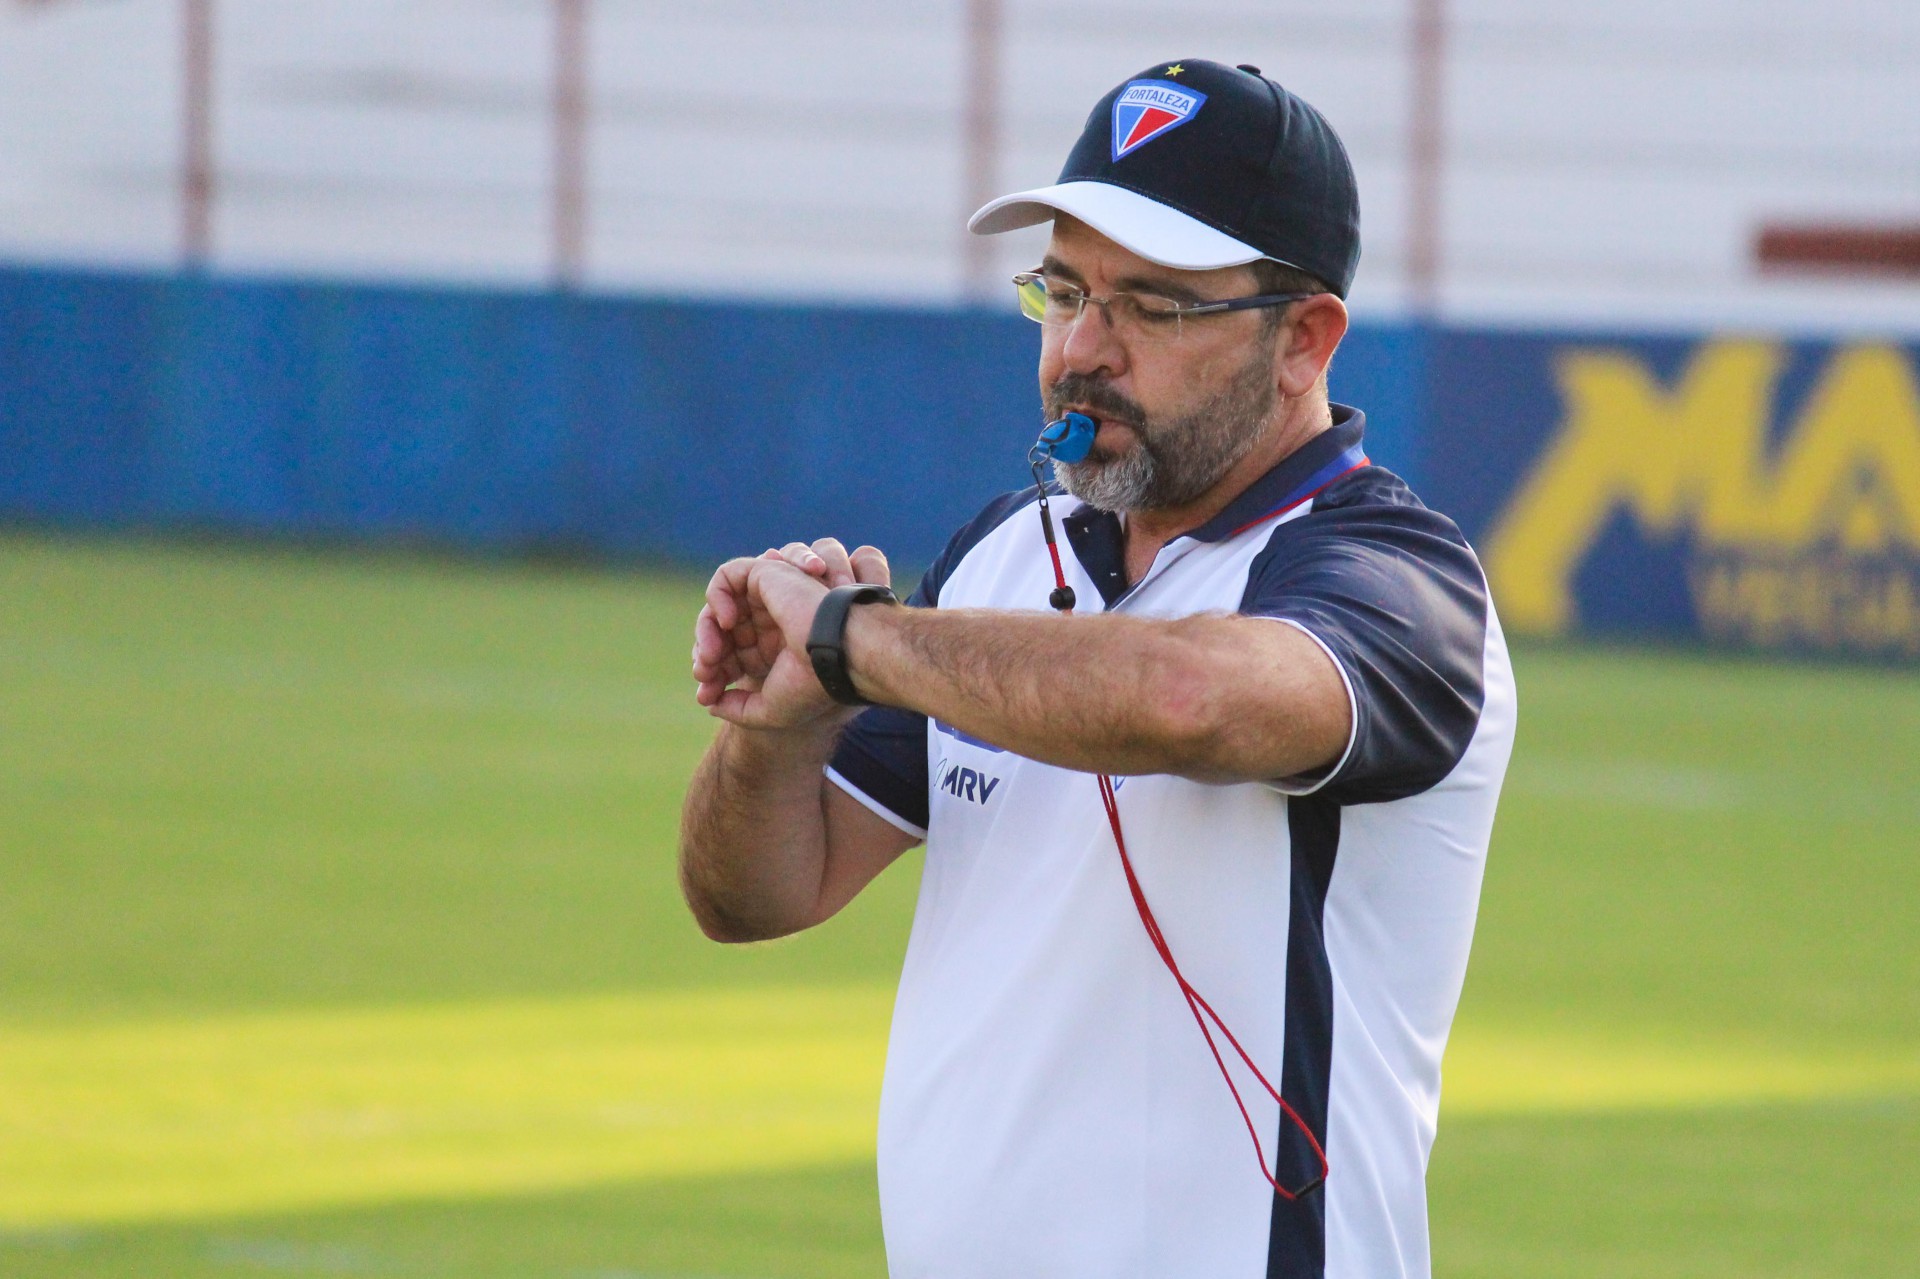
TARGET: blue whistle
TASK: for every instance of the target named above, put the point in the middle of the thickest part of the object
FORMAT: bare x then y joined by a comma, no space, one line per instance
1068,440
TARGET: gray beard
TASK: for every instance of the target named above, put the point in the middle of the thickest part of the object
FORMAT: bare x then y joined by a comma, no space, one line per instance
1129,482
1176,461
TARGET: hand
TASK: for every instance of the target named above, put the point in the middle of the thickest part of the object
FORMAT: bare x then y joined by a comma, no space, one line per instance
749,652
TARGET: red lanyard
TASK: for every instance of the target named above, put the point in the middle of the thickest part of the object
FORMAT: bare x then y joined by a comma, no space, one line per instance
1203,1013
1062,600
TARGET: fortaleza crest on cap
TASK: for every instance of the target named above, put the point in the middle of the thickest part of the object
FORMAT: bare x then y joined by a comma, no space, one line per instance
1146,109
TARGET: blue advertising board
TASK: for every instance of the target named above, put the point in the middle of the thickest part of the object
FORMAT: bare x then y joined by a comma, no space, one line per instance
626,427
499,420
1738,490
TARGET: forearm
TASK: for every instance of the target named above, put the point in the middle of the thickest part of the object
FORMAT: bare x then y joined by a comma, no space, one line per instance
753,837
1211,697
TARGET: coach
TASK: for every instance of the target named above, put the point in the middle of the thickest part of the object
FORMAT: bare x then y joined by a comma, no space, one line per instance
1282,692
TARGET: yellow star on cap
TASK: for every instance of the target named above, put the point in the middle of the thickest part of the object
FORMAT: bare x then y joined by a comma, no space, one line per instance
1175,69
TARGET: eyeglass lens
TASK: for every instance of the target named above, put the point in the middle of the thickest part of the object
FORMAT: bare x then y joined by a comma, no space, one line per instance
1058,306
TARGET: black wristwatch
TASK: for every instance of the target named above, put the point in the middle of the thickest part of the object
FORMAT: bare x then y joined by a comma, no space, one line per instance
826,639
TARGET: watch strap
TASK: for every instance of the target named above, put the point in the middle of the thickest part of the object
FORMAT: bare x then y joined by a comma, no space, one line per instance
826,639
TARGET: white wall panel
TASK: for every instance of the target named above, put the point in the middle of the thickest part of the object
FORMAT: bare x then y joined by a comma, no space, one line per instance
1605,159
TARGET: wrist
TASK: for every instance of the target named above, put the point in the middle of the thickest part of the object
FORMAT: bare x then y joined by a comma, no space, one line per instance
869,639
827,638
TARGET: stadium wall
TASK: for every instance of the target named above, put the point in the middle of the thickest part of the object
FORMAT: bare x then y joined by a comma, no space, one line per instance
1739,490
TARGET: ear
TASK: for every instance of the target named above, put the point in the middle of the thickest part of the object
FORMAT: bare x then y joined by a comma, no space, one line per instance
1312,330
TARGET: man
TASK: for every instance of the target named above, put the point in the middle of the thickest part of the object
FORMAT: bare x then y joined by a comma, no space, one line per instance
1287,663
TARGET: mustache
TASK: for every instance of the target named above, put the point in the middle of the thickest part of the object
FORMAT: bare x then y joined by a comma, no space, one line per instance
1096,394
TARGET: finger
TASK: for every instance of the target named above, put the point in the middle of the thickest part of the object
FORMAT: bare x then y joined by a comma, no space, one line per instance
746,640
726,589
768,639
803,557
726,669
709,691
750,638
769,650
717,680
739,706
870,565
707,667
834,556
710,642
720,601
733,706
728,672
751,664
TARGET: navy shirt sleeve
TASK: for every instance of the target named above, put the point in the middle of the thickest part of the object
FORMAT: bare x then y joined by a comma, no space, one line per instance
883,752
1395,593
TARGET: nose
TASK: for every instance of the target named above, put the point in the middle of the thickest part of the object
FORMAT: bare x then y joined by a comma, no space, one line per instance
1089,345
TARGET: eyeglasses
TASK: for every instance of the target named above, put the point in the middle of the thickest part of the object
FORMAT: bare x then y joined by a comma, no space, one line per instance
1057,304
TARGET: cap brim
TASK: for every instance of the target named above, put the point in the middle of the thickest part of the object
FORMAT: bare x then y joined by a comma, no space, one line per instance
1147,227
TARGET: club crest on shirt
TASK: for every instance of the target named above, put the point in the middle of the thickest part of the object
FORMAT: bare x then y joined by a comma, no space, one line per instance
1146,109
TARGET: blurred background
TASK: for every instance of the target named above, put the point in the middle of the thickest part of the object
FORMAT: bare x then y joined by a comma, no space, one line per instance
377,380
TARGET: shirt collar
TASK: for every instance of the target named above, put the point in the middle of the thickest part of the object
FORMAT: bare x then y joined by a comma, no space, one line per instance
1296,478
1099,542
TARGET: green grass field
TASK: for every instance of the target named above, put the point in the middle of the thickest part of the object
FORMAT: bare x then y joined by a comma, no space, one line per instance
339,935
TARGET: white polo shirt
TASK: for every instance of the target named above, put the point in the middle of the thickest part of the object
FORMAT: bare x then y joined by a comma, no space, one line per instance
1050,1109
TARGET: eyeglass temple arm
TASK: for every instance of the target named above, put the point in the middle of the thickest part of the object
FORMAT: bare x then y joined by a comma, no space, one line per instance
1242,304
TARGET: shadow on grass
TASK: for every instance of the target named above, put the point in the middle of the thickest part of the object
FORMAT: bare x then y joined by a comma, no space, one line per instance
1812,1191
816,1223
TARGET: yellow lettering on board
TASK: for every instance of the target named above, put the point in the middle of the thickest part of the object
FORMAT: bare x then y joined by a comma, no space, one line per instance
1696,456
1697,451
1851,468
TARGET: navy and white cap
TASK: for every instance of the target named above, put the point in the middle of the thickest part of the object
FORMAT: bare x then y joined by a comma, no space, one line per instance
1197,165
